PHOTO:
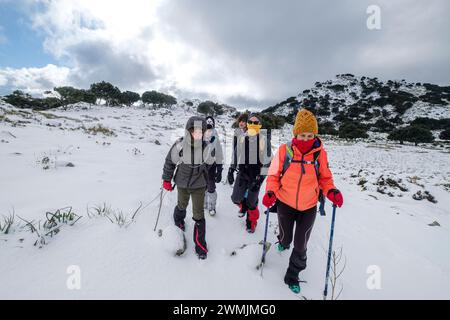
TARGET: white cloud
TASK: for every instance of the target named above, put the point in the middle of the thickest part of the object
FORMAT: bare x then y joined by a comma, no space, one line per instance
3,80
125,42
34,80
233,50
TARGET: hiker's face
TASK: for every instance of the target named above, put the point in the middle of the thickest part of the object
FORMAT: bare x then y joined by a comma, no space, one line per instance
197,134
305,136
242,124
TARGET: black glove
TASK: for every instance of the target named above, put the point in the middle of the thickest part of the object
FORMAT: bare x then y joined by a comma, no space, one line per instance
219,175
230,177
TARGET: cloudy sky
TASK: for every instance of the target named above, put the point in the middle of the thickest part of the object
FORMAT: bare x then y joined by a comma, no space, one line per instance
246,53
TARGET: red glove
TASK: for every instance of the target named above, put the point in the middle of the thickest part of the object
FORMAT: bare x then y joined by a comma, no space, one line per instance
335,196
167,185
269,199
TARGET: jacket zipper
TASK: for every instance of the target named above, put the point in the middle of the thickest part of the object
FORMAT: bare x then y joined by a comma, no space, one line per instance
191,173
300,180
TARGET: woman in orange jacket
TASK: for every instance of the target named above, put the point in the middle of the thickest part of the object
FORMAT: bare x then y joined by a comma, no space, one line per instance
297,176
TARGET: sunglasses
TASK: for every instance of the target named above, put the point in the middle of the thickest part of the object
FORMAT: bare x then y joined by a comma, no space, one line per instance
253,122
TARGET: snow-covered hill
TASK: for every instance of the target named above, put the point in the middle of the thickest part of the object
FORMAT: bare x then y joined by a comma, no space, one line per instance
104,162
378,106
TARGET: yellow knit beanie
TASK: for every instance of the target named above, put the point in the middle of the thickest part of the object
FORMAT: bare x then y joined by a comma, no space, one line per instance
305,122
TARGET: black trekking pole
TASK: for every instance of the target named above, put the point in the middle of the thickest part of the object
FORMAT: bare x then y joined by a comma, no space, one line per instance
263,258
330,247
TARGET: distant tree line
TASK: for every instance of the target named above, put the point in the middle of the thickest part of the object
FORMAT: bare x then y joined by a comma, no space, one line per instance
100,90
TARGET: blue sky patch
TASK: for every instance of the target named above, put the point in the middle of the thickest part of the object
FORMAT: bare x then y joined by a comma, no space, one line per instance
21,47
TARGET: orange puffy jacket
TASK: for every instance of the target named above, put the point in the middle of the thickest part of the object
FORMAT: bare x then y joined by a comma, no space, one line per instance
294,188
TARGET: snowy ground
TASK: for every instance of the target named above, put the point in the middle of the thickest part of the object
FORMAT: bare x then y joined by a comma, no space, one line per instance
380,225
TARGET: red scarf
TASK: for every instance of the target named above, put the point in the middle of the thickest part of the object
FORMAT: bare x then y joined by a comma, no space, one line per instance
303,146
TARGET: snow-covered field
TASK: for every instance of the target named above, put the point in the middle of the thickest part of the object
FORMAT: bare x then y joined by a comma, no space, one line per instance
53,160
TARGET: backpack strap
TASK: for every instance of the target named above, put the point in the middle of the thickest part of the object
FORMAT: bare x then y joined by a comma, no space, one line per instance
321,196
288,157
179,146
317,163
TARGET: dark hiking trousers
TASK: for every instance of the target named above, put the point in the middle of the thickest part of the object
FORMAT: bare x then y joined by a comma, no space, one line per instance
303,221
241,185
199,237
245,193
211,181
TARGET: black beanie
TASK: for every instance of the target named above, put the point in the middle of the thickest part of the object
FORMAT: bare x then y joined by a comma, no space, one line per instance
194,122
210,122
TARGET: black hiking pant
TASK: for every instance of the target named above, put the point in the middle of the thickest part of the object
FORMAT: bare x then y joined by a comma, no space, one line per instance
303,221
211,180
244,193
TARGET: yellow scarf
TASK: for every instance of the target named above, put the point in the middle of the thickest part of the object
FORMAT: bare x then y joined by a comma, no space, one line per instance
253,129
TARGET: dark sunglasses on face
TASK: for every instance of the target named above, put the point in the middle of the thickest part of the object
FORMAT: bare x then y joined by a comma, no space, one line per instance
253,122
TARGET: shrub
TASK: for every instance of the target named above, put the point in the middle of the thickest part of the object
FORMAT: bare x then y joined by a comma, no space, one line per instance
155,97
341,117
412,133
432,124
210,108
24,100
71,95
19,99
382,125
337,87
291,100
445,135
352,130
327,127
323,111
129,97
108,92
270,121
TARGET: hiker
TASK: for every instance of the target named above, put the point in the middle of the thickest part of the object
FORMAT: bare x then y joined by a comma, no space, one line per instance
250,157
214,170
186,165
241,123
239,131
298,173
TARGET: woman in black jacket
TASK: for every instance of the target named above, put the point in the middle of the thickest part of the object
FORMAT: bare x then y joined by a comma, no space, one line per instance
248,160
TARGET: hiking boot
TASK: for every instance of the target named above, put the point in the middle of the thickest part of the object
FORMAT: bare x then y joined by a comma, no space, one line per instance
201,255
281,248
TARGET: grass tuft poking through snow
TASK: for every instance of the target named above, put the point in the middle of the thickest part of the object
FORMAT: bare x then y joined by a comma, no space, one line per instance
8,222
42,231
100,129
115,216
